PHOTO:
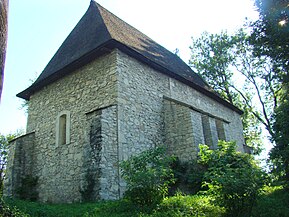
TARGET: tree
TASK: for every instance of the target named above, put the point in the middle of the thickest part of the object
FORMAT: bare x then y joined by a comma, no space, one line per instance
3,38
211,53
223,59
270,33
279,155
270,38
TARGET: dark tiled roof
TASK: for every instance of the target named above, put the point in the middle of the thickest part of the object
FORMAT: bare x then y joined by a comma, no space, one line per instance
100,31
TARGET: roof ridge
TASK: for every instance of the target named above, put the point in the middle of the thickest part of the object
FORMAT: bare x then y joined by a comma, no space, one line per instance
97,7
125,23
66,53
95,34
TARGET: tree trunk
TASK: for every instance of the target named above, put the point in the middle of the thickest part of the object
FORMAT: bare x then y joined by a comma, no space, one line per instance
3,38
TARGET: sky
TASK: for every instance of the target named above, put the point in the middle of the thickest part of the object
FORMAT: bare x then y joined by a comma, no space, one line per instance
37,28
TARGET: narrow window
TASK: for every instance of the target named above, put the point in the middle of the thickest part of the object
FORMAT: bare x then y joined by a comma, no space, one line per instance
220,130
207,130
63,128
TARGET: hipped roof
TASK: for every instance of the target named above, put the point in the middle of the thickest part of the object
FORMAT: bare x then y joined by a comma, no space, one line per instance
99,32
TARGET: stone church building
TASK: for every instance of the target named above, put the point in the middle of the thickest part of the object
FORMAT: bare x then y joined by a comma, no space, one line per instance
110,92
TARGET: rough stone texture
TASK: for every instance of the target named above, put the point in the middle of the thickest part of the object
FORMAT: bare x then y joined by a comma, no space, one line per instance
60,168
20,163
90,186
109,164
220,129
198,128
142,91
207,132
118,107
179,132
214,132
100,177
144,114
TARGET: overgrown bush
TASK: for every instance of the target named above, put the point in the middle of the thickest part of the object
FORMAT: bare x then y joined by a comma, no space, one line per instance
180,205
27,190
233,178
4,148
148,176
188,177
7,211
273,201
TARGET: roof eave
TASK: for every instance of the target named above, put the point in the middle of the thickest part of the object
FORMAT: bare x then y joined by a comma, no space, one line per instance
108,47
164,70
85,59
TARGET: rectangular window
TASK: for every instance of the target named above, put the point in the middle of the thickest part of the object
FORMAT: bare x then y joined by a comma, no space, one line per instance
220,130
207,130
63,128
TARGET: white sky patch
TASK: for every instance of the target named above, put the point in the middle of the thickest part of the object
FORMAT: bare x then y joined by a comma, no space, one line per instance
282,22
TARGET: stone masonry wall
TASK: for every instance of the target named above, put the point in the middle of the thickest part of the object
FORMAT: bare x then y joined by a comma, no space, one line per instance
144,119
142,91
186,128
178,128
113,108
62,168
109,164
20,163
101,178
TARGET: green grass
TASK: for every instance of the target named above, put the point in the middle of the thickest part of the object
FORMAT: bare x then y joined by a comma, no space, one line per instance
274,202
110,208
172,206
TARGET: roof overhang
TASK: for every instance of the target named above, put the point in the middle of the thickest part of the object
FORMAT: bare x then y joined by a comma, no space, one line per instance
107,48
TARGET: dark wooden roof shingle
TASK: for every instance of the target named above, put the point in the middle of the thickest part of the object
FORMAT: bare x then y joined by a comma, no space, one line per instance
100,31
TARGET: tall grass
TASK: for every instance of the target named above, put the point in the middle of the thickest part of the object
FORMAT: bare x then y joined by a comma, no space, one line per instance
273,202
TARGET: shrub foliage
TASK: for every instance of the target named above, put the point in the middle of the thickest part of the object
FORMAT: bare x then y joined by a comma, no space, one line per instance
148,176
233,178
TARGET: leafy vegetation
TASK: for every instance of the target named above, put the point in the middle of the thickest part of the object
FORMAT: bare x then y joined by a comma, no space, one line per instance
270,38
232,183
28,191
272,202
7,210
4,146
258,55
148,176
181,205
226,182
188,177
233,178
279,155
173,206
224,60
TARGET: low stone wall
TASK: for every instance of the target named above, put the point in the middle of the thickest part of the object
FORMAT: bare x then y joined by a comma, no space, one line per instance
20,163
101,172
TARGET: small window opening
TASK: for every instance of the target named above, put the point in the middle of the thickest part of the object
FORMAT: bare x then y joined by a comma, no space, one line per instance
62,129
220,130
207,131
